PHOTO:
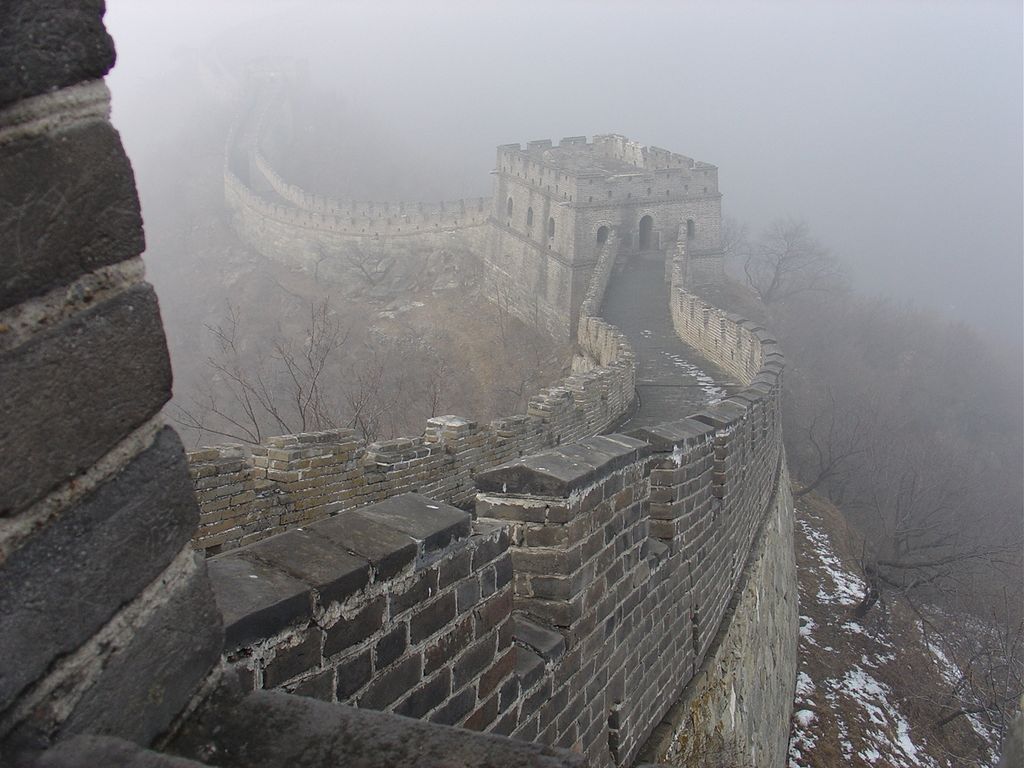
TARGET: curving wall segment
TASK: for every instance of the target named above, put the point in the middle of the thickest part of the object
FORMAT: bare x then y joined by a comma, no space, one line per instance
247,494
620,596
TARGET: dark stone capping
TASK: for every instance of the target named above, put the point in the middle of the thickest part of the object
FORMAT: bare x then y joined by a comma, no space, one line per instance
49,44
654,551
67,580
563,470
270,729
549,645
92,751
96,377
720,416
256,600
666,437
434,523
316,560
738,406
385,548
529,667
746,397
103,226
767,378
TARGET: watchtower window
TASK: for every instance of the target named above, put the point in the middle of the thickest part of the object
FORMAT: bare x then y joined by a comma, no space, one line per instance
508,206
551,227
691,229
602,235
529,217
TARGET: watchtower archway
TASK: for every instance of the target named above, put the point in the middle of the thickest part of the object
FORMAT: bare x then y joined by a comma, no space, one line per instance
646,234
602,235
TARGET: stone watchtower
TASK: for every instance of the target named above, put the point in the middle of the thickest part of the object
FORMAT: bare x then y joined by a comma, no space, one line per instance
556,207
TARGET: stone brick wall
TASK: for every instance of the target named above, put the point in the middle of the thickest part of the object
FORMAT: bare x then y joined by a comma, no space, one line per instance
736,709
402,606
96,508
624,570
247,494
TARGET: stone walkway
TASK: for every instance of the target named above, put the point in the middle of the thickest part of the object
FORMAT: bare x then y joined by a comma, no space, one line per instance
673,380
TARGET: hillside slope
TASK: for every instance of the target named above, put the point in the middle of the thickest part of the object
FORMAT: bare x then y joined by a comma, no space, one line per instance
869,690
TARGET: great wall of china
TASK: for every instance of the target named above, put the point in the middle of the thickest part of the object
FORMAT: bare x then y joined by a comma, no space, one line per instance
601,598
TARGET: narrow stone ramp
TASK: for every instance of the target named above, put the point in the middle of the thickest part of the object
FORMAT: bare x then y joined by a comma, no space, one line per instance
673,380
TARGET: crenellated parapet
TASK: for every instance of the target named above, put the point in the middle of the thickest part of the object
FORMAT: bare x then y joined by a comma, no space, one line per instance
600,589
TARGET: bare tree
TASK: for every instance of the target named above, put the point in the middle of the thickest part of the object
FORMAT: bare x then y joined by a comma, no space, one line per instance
786,260
987,668
251,395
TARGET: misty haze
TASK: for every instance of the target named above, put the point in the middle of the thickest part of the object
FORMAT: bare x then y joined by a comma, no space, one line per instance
621,383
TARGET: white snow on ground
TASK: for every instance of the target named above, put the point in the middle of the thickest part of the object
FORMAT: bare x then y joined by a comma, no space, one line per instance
805,717
804,685
869,726
951,674
807,626
849,588
714,393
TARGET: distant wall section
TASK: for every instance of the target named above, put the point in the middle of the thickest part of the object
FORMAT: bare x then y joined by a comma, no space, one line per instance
247,494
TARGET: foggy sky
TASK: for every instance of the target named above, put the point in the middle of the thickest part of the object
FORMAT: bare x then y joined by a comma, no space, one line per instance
893,128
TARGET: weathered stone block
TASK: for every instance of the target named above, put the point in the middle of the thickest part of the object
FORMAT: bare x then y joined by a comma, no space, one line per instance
348,632
70,577
316,560
457,707
529,668
353,674
386,549
448,646
56,222
392,684
47,44
432,617
547,644
474,661
145,684
320,686
423,587
432,522
392,645
96,377
289,662
256,600
426,696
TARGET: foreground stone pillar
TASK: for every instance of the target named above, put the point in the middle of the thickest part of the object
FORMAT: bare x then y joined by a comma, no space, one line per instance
109,624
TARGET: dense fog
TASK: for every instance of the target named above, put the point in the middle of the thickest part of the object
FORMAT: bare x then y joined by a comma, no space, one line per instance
870,161
893,129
